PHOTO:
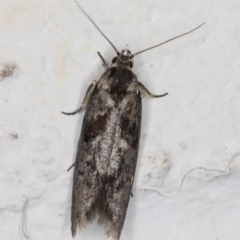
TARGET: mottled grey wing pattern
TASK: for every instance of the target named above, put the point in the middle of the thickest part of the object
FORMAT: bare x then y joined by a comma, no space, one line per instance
107,152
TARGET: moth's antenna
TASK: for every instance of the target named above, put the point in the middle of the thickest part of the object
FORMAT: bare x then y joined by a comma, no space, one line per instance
78,5
167,41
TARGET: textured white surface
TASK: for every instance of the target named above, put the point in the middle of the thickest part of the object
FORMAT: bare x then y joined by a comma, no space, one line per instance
54,50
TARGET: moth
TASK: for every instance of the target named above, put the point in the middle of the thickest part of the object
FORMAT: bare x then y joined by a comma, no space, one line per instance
108,146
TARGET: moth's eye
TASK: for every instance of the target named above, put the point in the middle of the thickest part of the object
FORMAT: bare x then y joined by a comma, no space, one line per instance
131,64
114,60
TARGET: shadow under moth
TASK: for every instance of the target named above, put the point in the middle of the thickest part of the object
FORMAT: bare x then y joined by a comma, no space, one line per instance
108,146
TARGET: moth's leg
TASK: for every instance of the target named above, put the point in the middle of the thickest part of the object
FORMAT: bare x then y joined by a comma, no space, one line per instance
71,167
85,101
104,62
146,93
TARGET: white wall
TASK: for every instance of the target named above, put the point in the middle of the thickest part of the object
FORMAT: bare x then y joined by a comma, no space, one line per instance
52,50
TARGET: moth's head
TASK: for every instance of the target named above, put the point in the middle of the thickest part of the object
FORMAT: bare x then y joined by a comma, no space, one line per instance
125,59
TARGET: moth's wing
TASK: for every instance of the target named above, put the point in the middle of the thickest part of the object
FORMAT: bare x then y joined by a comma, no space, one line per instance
122,166
87,182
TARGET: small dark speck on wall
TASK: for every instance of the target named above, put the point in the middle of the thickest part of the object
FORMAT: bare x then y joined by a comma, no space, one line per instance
14,136
7,70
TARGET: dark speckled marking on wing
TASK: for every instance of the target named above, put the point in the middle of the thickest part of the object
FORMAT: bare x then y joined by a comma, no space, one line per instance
107,152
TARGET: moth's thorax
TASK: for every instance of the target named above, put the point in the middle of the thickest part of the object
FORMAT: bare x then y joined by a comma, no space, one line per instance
118,82
124,59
